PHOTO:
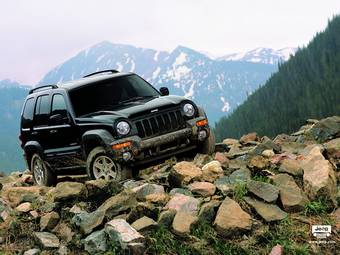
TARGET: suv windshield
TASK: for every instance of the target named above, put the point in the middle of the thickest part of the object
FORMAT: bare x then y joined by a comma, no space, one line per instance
105,95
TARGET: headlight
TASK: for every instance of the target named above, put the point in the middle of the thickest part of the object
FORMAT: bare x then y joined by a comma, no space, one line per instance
189,110
123,128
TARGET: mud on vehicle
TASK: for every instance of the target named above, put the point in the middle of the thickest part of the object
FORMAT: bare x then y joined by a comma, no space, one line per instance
107,124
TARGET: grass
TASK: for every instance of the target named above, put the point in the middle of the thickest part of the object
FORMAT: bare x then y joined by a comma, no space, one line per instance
240,190
317,207
261,178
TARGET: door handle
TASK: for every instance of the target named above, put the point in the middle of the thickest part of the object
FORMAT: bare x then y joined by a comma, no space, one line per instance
53,131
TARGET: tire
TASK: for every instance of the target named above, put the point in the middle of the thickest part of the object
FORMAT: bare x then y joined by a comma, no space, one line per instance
100,165
208,146
42,174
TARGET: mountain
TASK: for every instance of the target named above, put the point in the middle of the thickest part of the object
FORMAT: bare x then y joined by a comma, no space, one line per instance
12,95
306,86
217,85
262,55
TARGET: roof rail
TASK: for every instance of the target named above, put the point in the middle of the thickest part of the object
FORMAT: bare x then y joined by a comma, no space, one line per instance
103,71
43,87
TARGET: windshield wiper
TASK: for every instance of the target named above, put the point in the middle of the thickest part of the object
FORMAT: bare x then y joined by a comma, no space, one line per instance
134,99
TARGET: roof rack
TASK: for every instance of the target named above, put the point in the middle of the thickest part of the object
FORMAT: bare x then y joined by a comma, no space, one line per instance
103,71
43,87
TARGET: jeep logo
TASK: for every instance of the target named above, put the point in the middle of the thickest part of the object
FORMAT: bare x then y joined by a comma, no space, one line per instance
154,110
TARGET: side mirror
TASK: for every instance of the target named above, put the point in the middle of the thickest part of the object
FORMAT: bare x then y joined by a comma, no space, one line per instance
164,91
58,119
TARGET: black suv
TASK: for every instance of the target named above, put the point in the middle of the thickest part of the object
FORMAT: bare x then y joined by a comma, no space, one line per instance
107,123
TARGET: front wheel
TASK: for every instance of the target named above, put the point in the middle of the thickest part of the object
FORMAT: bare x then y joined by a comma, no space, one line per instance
42,174
100,165
208,146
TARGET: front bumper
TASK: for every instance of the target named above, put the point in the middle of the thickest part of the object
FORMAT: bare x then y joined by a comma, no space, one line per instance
141,150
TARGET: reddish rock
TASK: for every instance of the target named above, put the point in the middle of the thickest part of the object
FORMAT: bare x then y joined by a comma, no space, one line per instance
183,173
204,189
277,250
291,166
220,157
24,207
185,203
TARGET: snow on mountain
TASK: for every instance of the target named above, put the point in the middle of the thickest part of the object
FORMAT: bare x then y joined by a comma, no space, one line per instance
262,55
218,85
12,84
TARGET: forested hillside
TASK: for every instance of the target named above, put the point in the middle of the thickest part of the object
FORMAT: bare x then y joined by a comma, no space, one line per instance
306,86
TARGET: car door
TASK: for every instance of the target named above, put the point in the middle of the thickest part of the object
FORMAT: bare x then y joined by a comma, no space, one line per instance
65,144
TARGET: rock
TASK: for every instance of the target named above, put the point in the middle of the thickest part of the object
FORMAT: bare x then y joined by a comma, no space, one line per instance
279,139
143,209
223,185
208,211
221,157
242,175
201,159
161,199
211,171
333,148
63,250
230,141
180,191
336,216
34,251
231,219
75,209
248,138
237,151
118,204
292,197
277,250
204,189
120,232
68,190
263,190
258,162
293,147
183,173
221,147
147,189
47,240
24,207
266,145
166,217
183,223
34,214
96,242
102,187
268,153
326,129
144,224
279,157
269,212
49,221
87,222
319,177
226,184
291,166
14,195
184,203
63,231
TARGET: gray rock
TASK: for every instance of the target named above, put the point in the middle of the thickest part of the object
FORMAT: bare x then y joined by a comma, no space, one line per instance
208,211
87,222
49,221
147,189
241,175
34,251
102,187
180,191
96,242
223,185
68,190
166,217
266,191
47,240
326,128
269,212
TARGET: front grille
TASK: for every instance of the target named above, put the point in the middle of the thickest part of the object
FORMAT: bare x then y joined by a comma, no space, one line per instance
160,124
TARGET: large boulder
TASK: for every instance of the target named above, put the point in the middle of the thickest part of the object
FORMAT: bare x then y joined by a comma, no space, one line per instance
118,204
123,235
185,203
47,240
269,212
326,129
231,219
319,177
333,148
183,223
263,190
87,222
16,195
68,190
96,243
102,187
292,197
211,171
291,166
183,173
249,138
204,189
146,189
49,221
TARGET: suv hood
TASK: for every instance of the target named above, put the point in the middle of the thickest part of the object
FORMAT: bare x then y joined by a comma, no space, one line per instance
137,108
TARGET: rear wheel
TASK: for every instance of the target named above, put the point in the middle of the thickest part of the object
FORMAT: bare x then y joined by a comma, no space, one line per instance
42,174
208,146
100,165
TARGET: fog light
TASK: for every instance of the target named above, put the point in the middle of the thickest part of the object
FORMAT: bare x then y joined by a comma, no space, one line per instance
202,135
127,156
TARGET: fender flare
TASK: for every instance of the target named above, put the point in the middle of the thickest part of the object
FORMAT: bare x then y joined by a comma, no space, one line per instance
94,138
30,148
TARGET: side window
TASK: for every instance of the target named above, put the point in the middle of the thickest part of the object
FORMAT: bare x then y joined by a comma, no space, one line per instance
42,111
59,110
27,116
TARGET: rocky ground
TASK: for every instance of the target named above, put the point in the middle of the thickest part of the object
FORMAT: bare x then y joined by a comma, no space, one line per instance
253,196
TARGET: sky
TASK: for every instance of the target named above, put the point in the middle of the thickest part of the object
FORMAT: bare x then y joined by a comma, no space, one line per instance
37,35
